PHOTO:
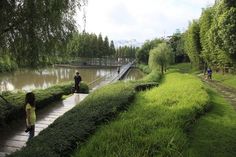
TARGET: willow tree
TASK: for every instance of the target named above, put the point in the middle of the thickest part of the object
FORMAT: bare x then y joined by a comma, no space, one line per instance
142,54
32,31
160,56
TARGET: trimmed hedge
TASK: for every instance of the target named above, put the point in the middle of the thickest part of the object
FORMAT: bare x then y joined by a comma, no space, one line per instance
75,126
44,97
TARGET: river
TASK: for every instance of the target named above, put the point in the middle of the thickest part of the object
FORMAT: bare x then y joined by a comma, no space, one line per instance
29,79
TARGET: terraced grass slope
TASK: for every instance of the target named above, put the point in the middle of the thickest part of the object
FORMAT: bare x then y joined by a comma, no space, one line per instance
157,124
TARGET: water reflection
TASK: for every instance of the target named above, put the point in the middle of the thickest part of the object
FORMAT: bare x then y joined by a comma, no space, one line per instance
43,78
134,74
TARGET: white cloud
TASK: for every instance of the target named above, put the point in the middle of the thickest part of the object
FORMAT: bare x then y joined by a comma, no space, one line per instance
141,19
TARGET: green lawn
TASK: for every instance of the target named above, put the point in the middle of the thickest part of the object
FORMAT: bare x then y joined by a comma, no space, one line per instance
215,133
155,125
227,79
182,67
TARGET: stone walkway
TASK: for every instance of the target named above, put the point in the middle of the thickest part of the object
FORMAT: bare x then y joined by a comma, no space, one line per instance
229,93
13,139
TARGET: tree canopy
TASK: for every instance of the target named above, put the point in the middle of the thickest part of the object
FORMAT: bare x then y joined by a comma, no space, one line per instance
160,56
32,31
211,40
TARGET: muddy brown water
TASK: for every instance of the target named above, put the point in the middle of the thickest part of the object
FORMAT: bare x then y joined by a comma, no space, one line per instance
42,78
14,137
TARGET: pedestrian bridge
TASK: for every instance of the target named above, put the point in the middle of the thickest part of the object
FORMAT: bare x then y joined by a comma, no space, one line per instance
112,77
14,139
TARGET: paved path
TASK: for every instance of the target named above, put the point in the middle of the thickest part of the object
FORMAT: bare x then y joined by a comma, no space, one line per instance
229,93
14,139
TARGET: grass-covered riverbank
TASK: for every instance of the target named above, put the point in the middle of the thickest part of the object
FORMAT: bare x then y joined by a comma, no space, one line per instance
157,123
214,133
180,117
75,126
15,108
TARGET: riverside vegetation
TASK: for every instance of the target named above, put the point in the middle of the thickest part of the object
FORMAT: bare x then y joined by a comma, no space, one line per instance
15,109
156,124
181,117
75,126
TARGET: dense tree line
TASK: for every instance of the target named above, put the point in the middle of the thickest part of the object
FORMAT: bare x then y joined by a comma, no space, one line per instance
126,52
211,40
35,32
176,43
90,45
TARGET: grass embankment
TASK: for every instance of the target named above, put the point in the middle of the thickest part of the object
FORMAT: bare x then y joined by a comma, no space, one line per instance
182,68
44,97
155,125
76,125
215,133
227,79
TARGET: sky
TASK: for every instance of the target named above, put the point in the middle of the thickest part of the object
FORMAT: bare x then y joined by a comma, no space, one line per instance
140,19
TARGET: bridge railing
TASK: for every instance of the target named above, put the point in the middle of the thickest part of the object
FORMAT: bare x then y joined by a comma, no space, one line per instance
111,77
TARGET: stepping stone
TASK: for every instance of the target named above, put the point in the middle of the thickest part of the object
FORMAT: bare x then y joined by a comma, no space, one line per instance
44,122
2,154
20,138
41,125
15,144
52,116
8,150
50,119
38,129
23,133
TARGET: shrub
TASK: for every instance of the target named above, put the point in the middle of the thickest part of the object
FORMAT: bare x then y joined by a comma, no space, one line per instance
44,97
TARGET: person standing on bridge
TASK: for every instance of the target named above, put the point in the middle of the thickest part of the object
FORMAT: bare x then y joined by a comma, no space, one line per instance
118,71
30,114
77,79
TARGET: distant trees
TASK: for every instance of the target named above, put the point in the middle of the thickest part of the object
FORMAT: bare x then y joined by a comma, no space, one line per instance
176,43
126,52
142,54
89,45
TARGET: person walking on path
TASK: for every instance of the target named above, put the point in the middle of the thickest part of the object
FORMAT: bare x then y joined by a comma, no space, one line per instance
209,73
30,114
77,79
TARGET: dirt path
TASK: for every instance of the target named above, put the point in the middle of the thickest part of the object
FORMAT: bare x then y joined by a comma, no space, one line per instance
229,93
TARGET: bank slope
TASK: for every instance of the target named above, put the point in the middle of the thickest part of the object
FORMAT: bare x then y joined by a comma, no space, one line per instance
157,123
